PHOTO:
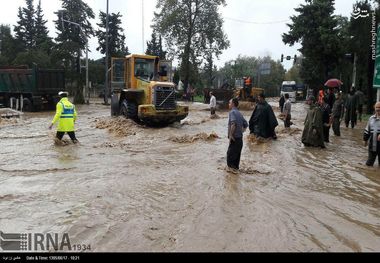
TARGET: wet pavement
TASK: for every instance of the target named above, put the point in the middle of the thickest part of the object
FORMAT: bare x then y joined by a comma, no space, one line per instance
166,189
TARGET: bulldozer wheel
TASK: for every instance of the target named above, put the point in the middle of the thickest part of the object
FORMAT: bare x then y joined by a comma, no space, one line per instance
129,110
123,109
115,106
132,110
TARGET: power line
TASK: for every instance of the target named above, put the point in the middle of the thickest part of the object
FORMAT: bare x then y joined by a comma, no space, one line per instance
256,23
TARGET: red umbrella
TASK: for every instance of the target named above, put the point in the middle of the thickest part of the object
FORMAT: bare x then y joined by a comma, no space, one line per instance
333,83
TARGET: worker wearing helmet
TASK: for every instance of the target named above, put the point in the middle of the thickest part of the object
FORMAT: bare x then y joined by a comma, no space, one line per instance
248,86
66,116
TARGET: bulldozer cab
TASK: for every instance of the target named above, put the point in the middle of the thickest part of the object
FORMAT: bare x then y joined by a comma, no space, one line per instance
125,72
165,71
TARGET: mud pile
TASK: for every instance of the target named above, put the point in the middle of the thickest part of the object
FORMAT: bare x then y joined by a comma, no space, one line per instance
119,126
194,138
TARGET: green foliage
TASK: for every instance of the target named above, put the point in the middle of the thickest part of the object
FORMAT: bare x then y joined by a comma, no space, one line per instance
316,29
71,40
192,30
96,71
293,74
155,48
78,12
116,41
33,57
8,46
42,39
245,66
25,29
32,44
360,30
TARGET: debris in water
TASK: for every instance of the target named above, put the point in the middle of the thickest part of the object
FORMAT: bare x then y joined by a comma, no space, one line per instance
119,126
288,131
252,171
191,139
254,139
246,105
6,121
189,121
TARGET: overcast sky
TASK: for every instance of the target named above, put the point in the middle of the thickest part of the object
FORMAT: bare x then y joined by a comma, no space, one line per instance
254,27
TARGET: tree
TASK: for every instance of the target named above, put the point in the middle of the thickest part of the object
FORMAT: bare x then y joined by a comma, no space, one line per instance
360,43
71,40
33,57
245,66
116,41
42,39
154,47
8,47
183,24
213,41
316,29
293,74
25,29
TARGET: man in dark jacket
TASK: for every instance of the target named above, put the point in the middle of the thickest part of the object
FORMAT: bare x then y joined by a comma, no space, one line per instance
282,103
263,122
351,109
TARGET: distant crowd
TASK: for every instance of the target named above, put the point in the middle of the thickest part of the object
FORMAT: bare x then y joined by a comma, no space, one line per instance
327,110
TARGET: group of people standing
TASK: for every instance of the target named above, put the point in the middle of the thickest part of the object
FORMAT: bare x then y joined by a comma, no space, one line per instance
328,111
262,124
321,116
323,113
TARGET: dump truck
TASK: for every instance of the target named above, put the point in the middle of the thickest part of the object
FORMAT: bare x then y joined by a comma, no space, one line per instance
25,89
142,91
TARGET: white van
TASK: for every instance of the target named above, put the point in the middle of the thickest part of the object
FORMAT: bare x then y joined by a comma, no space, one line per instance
289,87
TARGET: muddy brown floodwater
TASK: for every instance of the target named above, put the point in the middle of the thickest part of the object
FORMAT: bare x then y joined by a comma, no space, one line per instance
145,189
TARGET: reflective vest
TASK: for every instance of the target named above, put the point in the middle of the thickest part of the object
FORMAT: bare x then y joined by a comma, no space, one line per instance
248,82
66,115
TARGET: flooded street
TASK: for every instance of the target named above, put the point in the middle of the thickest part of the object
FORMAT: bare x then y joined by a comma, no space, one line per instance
167,189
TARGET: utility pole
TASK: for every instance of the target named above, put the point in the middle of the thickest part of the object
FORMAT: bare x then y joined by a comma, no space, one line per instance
142,11
81,30
354,71
106,92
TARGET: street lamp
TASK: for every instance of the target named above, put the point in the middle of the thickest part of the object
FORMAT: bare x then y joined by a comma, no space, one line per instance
106,92
354,58
81,30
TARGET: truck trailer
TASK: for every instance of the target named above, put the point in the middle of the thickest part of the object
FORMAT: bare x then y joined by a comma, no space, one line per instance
25,89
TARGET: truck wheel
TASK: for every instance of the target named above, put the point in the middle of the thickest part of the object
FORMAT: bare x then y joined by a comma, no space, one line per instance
12,103
27,105
115,105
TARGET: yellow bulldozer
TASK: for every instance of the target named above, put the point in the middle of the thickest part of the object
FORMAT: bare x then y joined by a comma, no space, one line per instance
244,91
141,90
